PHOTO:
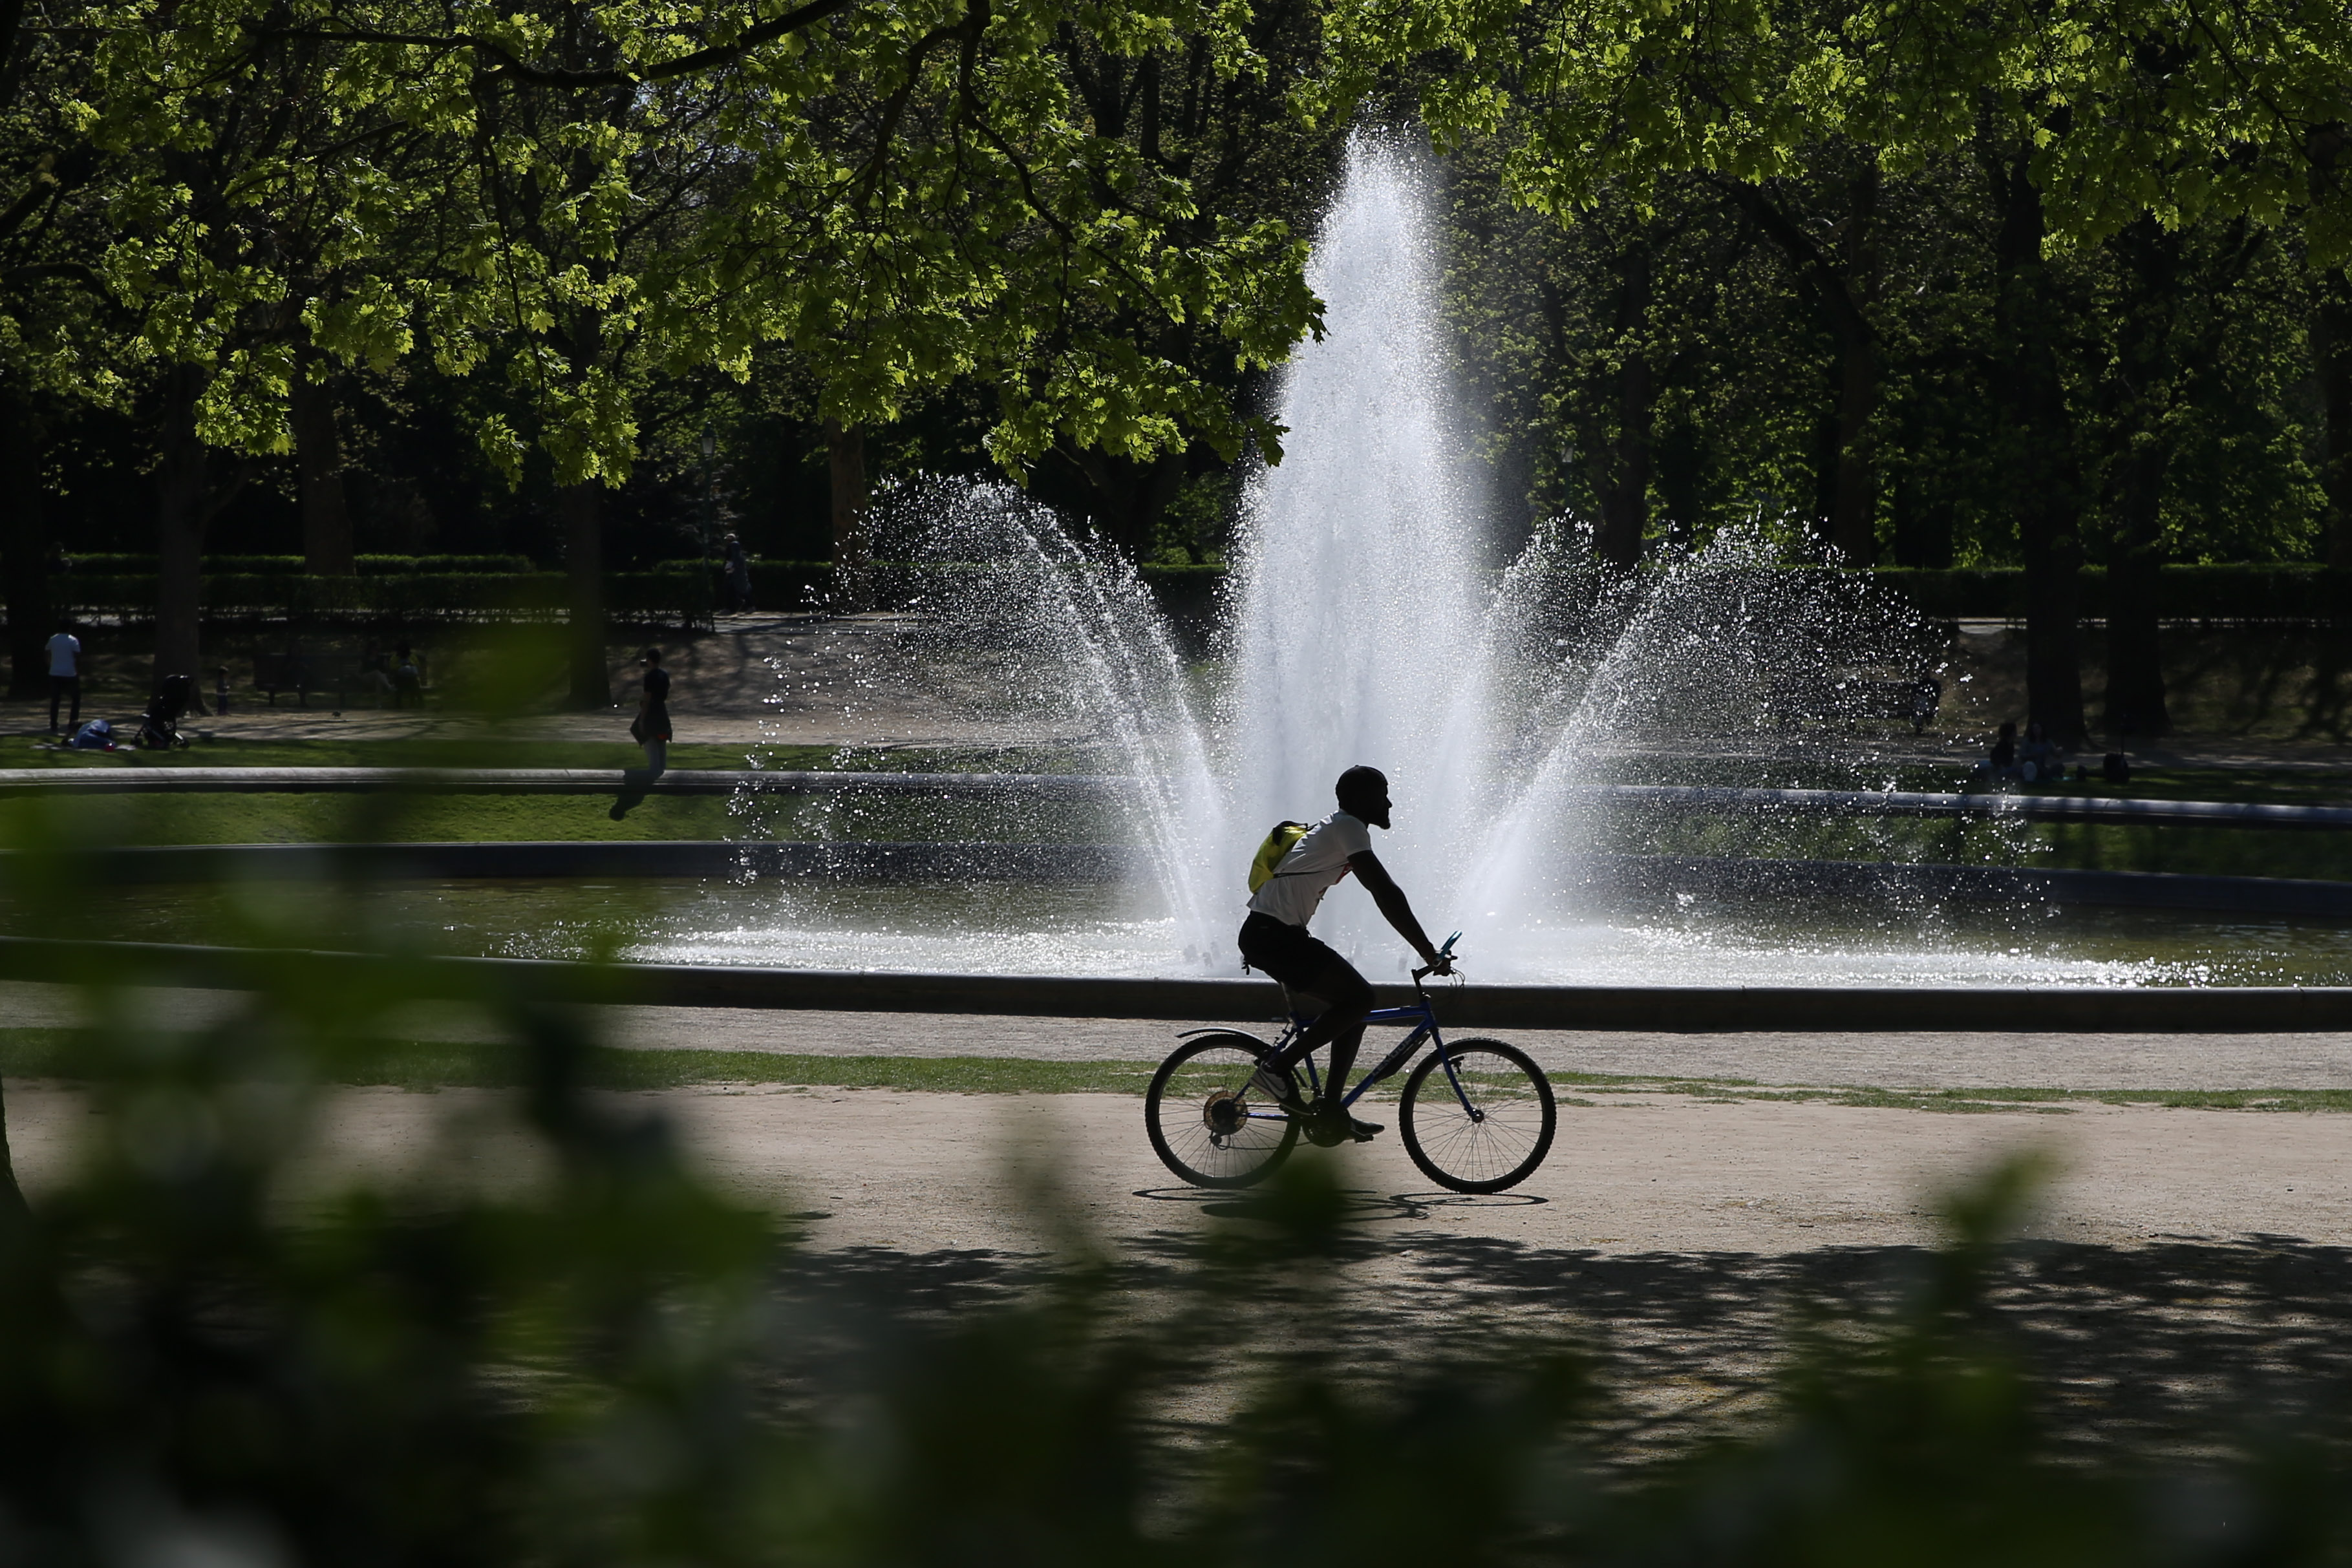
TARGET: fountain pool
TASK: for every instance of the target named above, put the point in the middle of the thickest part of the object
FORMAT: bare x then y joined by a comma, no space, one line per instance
1041,928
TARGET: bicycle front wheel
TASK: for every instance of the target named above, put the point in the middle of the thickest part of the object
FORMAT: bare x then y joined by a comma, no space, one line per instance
1489,1133
1212,1113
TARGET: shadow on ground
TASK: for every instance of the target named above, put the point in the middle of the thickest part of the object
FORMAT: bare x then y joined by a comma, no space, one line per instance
2154,1348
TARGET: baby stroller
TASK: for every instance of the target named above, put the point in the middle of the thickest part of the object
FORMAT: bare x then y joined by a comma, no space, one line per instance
159,727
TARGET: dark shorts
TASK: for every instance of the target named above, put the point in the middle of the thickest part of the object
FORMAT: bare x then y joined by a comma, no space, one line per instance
1286,952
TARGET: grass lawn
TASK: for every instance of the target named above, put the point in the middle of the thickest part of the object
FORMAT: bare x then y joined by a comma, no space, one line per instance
209,819
52,1053
292,818
31,751
238,751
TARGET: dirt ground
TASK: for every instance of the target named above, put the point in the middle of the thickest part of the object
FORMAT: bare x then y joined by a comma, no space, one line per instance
931,1173
2185,1267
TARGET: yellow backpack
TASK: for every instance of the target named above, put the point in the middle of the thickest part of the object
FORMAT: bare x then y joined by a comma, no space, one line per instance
1278,843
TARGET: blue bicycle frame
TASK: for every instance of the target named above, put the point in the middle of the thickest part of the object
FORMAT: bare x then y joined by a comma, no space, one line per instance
1423,1017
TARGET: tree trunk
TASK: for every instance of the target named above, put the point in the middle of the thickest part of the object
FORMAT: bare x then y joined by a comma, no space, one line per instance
1922,510
12,1210
852,549
1853,507
1126,499
181,472
1680,459
1626,485
2134,645
1847,490
2331,343
2142,381
25,551
581,507
319,464
2043,471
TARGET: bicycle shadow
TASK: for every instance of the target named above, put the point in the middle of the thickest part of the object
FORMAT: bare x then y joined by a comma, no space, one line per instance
1362,1203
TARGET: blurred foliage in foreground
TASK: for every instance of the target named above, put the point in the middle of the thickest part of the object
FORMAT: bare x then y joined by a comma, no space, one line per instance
239,1333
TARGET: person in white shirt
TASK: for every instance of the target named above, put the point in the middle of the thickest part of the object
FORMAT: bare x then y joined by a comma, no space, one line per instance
1274,939
65,676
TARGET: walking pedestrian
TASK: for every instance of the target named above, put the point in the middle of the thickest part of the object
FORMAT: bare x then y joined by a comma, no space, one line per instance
649,730
738,576
65,675
407,677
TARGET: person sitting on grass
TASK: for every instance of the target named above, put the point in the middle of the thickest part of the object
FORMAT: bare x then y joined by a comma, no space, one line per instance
2039,760
1275,940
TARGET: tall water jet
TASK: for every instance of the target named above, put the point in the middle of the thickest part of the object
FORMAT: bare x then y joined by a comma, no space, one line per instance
1360,552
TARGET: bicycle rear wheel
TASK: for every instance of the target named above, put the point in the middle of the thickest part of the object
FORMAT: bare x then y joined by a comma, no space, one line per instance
1499,1137
1211,1112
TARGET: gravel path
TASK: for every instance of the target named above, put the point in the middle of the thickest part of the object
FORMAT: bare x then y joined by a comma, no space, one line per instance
922,1173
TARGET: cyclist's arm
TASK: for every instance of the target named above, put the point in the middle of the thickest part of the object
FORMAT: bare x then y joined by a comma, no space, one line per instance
1392,900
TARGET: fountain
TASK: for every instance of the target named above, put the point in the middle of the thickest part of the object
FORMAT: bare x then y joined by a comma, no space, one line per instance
1370,620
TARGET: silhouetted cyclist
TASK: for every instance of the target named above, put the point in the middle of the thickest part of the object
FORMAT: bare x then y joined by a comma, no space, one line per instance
1274,939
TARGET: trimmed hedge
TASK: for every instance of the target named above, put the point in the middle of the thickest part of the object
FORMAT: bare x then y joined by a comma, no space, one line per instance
2239,592
291,565
808,584
666,596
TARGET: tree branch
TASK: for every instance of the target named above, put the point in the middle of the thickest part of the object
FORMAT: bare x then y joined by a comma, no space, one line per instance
1801,249
73,271
894,109
514,66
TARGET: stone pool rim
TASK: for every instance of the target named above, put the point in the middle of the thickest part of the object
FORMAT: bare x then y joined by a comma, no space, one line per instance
1815,1009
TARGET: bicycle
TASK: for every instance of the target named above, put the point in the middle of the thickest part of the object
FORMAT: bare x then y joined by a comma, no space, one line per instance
1477,1115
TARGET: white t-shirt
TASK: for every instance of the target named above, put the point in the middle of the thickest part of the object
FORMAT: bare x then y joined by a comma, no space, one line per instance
65,654
1312,868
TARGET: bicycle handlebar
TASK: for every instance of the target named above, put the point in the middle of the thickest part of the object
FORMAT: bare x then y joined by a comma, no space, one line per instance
1444,961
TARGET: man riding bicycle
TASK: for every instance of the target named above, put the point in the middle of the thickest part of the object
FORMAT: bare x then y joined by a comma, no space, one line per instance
1274,939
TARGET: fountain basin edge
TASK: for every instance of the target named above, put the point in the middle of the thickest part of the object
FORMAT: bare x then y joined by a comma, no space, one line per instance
1650,1009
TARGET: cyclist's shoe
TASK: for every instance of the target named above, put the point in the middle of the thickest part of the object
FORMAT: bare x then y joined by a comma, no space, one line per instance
1331,1126
1272,1086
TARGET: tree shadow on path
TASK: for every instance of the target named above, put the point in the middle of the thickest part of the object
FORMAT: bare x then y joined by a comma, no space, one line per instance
2157,1348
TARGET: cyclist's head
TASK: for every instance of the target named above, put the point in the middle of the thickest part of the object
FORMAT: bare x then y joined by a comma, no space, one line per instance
1364,794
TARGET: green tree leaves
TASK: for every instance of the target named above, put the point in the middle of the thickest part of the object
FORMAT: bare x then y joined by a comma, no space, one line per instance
575,196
